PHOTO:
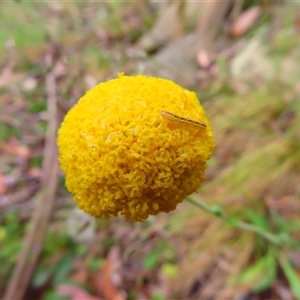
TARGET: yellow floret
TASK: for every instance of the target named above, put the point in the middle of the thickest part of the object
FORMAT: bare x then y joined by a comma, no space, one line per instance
122,156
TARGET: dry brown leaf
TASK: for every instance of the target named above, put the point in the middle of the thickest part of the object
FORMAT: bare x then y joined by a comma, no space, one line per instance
244,22
60,69
35,172
297,20
29,84
90,80
12,99
13,148
207,63
203,59
81,275
8,77
168,27
35,53
3,184
108,281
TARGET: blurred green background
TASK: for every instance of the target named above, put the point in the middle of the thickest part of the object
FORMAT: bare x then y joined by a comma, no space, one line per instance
242,60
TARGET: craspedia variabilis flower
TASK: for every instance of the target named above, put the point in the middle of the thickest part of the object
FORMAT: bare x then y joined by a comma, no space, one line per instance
135,146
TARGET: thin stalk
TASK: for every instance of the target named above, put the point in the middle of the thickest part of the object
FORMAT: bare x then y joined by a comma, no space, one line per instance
217,211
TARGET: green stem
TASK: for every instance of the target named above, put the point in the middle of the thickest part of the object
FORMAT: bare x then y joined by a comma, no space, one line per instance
217,211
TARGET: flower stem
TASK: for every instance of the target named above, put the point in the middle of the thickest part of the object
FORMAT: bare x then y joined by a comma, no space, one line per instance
218,212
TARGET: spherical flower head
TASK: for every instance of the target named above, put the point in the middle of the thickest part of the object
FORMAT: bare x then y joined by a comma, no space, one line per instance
134,146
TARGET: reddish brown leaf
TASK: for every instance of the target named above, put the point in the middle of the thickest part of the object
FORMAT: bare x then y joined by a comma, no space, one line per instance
3,184
81,274
108,281
13,148
245,21
297,20
8,77
203,59
35,172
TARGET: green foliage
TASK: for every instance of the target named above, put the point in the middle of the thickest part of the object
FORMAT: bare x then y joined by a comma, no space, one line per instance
170,270
257,219
62,269
285,226
158,297
35,107
36,162
42,126
80,250
8,131
262,222
163,251
109,242
55,242
59,270
96,59
151,260
256,167
115,4
11,233
51,295
22,28
95,264
291,275
250,3
261,274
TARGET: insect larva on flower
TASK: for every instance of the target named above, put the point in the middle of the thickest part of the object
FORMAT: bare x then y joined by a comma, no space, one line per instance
183,121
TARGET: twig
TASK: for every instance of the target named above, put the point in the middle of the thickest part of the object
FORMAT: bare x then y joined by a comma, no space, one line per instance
22,195
24,209
34,237
9,120
211,20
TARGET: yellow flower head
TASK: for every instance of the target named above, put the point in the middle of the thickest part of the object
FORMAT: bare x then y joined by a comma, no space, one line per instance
134,146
